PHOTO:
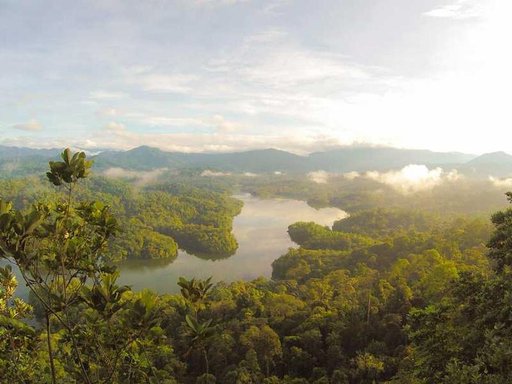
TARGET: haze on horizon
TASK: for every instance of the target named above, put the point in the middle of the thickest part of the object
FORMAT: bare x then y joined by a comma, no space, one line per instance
225,75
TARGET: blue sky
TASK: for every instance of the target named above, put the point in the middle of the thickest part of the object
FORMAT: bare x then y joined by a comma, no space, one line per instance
226,75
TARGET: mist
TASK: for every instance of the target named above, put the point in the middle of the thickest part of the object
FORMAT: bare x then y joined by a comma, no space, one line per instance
140,178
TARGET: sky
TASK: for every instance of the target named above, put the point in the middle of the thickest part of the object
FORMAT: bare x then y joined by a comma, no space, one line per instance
232,75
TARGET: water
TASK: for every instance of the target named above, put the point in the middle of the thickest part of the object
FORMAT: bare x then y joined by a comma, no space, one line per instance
261,232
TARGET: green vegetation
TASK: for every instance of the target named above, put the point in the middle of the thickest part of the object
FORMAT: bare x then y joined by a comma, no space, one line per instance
465,196
385,296
154,221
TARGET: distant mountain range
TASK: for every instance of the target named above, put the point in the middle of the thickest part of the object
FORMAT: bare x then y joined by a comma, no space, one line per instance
495,164
345,159
270,160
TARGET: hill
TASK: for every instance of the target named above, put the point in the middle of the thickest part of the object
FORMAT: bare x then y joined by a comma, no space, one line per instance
19,161
498,164
271,160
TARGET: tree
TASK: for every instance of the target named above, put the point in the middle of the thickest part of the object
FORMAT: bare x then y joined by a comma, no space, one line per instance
199,332
61,250
500,245
265,341
18,363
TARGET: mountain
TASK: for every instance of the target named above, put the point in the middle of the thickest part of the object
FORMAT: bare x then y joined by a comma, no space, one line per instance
16,153
382,158
498,164
145,158
264,160
272,160
22,161
140,158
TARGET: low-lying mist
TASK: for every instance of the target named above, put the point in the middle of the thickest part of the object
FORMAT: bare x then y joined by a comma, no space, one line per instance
139,178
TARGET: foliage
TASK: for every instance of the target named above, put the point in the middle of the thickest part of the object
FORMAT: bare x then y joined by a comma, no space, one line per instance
387,296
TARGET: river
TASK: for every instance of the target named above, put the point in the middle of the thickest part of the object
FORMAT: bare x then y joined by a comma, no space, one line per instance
261,232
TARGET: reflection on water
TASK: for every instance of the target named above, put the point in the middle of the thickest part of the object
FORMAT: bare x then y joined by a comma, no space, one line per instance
261,232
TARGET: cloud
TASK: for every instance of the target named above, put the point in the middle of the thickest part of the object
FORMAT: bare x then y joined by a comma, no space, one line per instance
107,95
461,9
275,7
225,126
173,83
453,175
209,173
115,128
108,112
351,175
31,126
411,178
253,64
319,177
217,122
267,36
118,137
501,183
140,178
166,121
217,3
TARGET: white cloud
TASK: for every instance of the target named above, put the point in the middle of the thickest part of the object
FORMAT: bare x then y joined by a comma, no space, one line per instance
413,178
216,3
461,9
140,177
165,121
319,177
216,122
281,67
175,83
115,128
108,112
275,7
267,36
116,135
501,183
107,95
225,126
31,126
453,175
209,173
458,10
267,78
351,175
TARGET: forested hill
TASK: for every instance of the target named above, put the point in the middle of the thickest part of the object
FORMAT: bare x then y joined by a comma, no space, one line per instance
27,161
154,221
272,160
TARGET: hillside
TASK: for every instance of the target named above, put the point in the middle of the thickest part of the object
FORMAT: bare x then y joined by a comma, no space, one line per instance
498,164
16,161
272,160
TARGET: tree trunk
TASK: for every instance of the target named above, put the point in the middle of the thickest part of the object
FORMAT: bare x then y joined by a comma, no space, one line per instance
206,363
50,351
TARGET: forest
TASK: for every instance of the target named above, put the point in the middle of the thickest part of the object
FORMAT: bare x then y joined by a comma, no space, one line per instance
391,294
154,221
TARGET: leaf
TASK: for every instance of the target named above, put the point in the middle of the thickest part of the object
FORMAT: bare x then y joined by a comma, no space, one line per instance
192,323
17,325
